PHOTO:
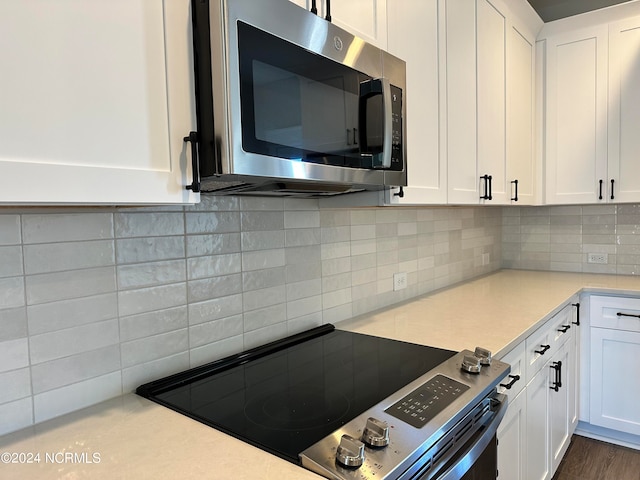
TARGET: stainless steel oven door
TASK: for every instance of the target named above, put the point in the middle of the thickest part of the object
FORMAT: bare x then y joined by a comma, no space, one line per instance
476,459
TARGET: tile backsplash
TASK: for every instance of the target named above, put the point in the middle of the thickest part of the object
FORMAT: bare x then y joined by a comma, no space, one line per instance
94,302
560,238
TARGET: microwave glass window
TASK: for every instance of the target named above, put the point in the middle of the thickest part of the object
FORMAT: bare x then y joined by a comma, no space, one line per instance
298,105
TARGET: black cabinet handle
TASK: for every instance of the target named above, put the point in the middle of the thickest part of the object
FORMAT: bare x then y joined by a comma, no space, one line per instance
514,379
564,328
557,366
193,139
399,193
600,195
620,314
612,195
543,350
487,187
515,182
577,305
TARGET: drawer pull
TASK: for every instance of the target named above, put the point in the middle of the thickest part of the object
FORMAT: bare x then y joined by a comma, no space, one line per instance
544,349
564,328
514,379
620,314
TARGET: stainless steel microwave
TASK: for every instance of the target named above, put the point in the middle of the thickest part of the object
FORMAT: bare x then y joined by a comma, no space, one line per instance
289,104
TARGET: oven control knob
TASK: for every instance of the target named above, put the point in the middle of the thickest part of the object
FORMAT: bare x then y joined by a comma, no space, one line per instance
376,433
350,452
484,355
471,364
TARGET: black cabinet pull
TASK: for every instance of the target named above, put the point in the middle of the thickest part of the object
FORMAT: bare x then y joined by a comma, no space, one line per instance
514,379
515,182
620,314
564,328
577,305
543,350
399,193
612,195
487,187
600,195
557,366
193,139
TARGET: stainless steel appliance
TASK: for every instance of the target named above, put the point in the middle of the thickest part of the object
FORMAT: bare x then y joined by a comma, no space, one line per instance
290,104
352,406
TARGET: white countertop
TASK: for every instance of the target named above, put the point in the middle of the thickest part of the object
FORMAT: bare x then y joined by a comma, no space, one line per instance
133,438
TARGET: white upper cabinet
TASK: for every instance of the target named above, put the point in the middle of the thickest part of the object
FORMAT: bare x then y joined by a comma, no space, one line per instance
95,98
593,108
624,111
413,36
489,85
576,116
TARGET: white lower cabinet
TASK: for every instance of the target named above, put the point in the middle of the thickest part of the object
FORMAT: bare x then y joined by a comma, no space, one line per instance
615,350
542,412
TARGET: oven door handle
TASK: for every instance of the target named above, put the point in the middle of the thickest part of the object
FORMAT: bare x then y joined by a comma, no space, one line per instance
473,452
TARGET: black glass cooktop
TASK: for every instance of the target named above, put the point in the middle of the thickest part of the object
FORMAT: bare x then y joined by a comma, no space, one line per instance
287,395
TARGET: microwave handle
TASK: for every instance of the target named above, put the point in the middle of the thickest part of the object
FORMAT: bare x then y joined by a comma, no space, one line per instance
371,88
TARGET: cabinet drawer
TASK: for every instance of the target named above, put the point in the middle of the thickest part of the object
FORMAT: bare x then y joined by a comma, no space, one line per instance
562,325
516,379
539,348
616,313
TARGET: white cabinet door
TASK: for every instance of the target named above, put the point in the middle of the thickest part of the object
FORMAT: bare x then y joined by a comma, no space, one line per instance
512,438
96,99
461,100
302,3
615,385
576,117
413,36
559,402
537,459
492,96
624,111
364,18
521,166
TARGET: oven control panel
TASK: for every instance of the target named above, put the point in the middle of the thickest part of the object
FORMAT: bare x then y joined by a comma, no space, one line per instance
426,402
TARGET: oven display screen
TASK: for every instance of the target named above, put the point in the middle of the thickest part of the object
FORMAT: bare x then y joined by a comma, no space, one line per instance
427,401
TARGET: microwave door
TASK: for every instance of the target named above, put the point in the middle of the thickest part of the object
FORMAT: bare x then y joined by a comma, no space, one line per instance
375,114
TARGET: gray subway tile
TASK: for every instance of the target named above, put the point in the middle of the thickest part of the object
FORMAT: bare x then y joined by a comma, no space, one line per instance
260,336
216,350
16,415
143,350
146,324
11,292
16,384
50,317
143,300
152,224
50,287
10,232
214,266
263,259
261,203
215,331
256,221
216,222
71,341
13,323
255,299
14,354
213,244
149,249
133,377
298,237
301,219
259,279
49,228
57,257
75,368
151,274
54,403
214,203
10,261
213,287
304,306
262,240
215,309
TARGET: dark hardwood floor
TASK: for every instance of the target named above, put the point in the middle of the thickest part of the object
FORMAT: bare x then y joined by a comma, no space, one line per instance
588,459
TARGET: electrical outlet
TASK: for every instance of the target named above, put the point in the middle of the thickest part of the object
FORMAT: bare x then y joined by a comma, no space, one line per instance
597,258
399,281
